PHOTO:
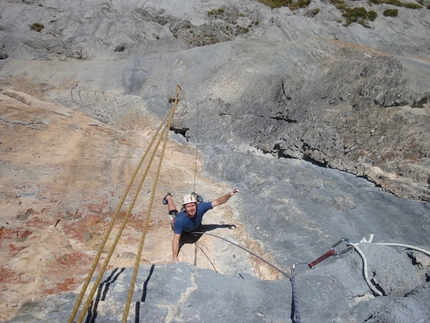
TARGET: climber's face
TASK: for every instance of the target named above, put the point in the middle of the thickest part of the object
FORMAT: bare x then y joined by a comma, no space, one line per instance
190,210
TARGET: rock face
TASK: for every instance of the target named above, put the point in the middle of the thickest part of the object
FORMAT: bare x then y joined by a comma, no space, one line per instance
370,121
322,126
179,292
62,177
304,106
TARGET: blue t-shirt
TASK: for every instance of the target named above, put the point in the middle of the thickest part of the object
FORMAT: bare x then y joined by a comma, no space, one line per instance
184,223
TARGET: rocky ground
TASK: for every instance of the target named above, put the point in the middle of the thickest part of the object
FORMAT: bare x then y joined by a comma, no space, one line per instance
322,125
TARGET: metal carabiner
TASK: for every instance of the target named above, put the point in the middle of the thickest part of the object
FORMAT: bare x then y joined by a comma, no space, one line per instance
344,250
331,252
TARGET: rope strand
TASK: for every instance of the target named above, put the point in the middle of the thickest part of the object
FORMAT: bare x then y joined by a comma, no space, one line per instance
148,214
109,230
197,145
249,251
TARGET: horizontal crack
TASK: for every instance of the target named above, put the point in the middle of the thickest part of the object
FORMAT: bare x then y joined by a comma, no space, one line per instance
22,123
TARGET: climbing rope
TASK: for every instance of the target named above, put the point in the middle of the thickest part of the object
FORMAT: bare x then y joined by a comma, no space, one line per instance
164,127
295,316
349,246
207,257
148,214
197,145
296,313
111,224
404,246
366,276
249,251
363,257
355,246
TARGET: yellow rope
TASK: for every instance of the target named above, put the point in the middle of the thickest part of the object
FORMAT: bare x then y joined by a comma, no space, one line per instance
164,134
148,214
118,236
105,238
97,258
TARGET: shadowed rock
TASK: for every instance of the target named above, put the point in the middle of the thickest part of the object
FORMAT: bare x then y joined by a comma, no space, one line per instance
321,123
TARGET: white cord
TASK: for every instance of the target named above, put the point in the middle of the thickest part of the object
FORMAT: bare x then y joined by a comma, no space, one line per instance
366,277
364,240
404,246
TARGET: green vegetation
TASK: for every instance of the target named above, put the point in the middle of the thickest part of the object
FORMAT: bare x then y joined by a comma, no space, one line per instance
299,4
364,23
241,30
354,15
37,27
372,15
411,5
339,4
231,28
351,15
391,13
286,3
420,103
216,12
235,30
397,3
275,3
315,11
358,14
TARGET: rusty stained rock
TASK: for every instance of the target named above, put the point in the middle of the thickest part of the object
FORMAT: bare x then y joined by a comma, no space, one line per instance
62,177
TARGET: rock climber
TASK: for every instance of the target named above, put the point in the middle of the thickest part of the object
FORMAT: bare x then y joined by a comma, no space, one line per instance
190,217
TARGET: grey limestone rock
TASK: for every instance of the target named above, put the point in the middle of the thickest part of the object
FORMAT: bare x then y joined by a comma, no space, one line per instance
323,127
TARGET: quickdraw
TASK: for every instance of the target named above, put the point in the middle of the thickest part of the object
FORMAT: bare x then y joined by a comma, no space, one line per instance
332,252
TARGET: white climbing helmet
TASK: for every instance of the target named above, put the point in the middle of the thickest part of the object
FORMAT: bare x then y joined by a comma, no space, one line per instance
189,199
